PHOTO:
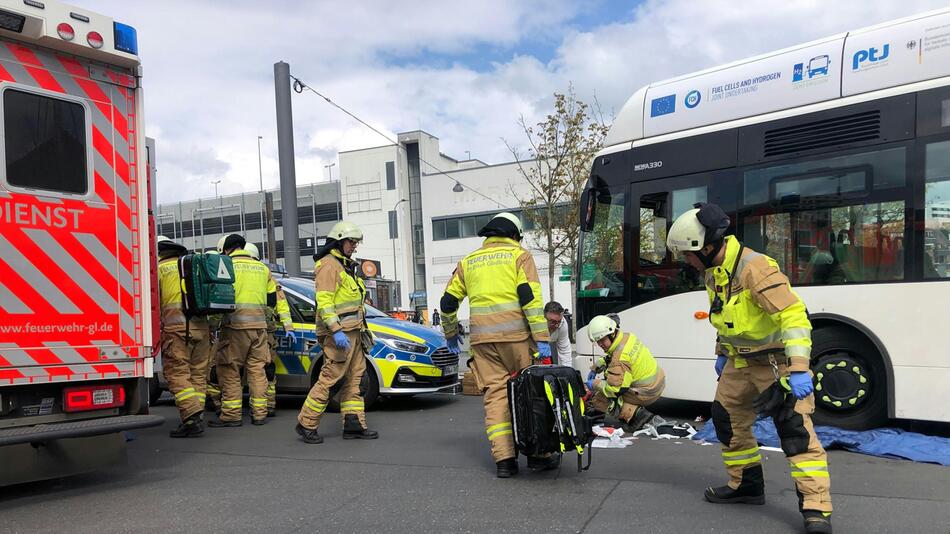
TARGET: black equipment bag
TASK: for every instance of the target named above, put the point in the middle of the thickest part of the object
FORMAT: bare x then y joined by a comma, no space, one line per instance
548,412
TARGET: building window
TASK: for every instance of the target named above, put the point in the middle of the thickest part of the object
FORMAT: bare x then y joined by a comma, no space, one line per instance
45,143
390,175
393,227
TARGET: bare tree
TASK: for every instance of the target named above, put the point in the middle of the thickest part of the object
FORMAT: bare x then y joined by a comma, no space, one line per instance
560,152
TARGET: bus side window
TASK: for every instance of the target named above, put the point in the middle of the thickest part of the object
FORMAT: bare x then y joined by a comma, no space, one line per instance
937,211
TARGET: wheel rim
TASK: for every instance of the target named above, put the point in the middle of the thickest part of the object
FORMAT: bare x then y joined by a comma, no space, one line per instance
842,382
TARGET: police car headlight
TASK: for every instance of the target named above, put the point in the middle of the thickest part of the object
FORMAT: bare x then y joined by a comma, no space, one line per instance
406,346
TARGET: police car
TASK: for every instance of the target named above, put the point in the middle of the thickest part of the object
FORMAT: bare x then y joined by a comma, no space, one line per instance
407,358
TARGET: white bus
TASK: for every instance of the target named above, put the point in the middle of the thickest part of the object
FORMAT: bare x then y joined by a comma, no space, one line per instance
838,167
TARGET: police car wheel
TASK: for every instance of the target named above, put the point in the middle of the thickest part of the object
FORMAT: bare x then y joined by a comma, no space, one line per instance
850,381
369,388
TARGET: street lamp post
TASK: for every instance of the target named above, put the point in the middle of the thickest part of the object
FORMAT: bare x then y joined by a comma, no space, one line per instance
215,184
329,169
260,175
394,233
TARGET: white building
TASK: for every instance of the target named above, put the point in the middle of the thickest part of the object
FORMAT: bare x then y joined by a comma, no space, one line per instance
420,240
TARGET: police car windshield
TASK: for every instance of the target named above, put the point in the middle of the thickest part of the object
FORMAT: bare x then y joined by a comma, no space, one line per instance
304,287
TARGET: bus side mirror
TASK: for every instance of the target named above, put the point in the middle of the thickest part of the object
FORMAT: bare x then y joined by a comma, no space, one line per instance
588,200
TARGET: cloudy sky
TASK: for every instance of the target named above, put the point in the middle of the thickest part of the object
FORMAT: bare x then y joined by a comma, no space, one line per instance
463,71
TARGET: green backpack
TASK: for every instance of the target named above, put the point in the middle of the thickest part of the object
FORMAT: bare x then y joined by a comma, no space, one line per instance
207,284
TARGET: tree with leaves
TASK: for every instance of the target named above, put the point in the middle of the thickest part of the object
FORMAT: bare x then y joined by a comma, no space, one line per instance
559,156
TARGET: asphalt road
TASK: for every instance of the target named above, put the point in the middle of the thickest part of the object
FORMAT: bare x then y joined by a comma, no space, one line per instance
431,472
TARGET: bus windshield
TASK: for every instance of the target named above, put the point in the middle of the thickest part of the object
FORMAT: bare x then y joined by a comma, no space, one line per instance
601,269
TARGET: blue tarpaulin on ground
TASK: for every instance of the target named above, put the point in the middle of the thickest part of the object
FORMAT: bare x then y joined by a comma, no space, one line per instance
883,442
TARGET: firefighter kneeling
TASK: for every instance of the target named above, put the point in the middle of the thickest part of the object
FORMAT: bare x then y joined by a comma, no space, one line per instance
340,324
763,348
633,378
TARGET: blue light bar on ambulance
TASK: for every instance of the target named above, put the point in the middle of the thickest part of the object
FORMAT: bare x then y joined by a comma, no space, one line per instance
125,38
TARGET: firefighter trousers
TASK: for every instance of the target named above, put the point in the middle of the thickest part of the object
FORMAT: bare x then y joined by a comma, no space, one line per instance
733,416
185,365
270,371
627,405
338,365
237,349
492,366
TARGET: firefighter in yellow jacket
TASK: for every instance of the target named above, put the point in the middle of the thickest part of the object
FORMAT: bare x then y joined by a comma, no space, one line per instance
276,315
340,323
507,326
633,380
763,351
186,345
243,339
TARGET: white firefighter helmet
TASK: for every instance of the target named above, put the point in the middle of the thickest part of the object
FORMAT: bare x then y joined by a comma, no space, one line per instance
687,234
251,249
601,327
161,239
345,230
220,246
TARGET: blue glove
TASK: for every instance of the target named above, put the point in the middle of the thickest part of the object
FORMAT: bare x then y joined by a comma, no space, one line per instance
342,342
720,364
590,384
591,375
290,335
801,384
544,350
453,343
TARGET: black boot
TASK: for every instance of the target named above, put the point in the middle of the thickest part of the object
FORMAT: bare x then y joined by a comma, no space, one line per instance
221,423
640,417
817,522
352,429
544,463
189,428
259,422
507,468
751,490
309,436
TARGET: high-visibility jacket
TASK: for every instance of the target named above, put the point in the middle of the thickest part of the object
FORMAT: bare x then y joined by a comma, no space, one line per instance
279,314
340,294
169,292
761,315
490,277
254,288
630,364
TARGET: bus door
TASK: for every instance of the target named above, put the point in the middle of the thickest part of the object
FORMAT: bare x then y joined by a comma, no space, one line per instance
658,203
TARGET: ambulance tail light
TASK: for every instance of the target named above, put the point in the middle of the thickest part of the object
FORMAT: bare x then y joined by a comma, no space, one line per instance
94,39
65,31
97,397
126,39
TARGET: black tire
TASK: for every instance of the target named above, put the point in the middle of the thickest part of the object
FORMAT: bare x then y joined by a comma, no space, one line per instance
850,380
369,387
154,390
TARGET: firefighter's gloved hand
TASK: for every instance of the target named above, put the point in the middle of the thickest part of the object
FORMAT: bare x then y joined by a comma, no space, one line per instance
289,334
801,384
453,343
590,384
544,350
721,364
591,375
342,342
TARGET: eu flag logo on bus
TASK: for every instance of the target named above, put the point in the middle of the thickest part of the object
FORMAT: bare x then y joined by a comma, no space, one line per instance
663,105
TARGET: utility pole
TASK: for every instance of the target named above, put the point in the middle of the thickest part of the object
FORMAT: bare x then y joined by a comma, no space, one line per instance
288,174
260,174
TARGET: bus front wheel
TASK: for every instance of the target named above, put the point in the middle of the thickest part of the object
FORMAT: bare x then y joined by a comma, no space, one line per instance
850,380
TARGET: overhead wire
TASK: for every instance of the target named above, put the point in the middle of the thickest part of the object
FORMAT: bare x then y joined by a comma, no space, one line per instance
300,85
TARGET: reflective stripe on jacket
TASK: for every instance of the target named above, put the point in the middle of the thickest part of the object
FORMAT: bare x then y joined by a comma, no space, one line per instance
340,294
169,292
763,316
490,277
279,315
631,365
252,285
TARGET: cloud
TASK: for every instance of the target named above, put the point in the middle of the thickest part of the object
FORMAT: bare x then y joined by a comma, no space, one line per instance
209,69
